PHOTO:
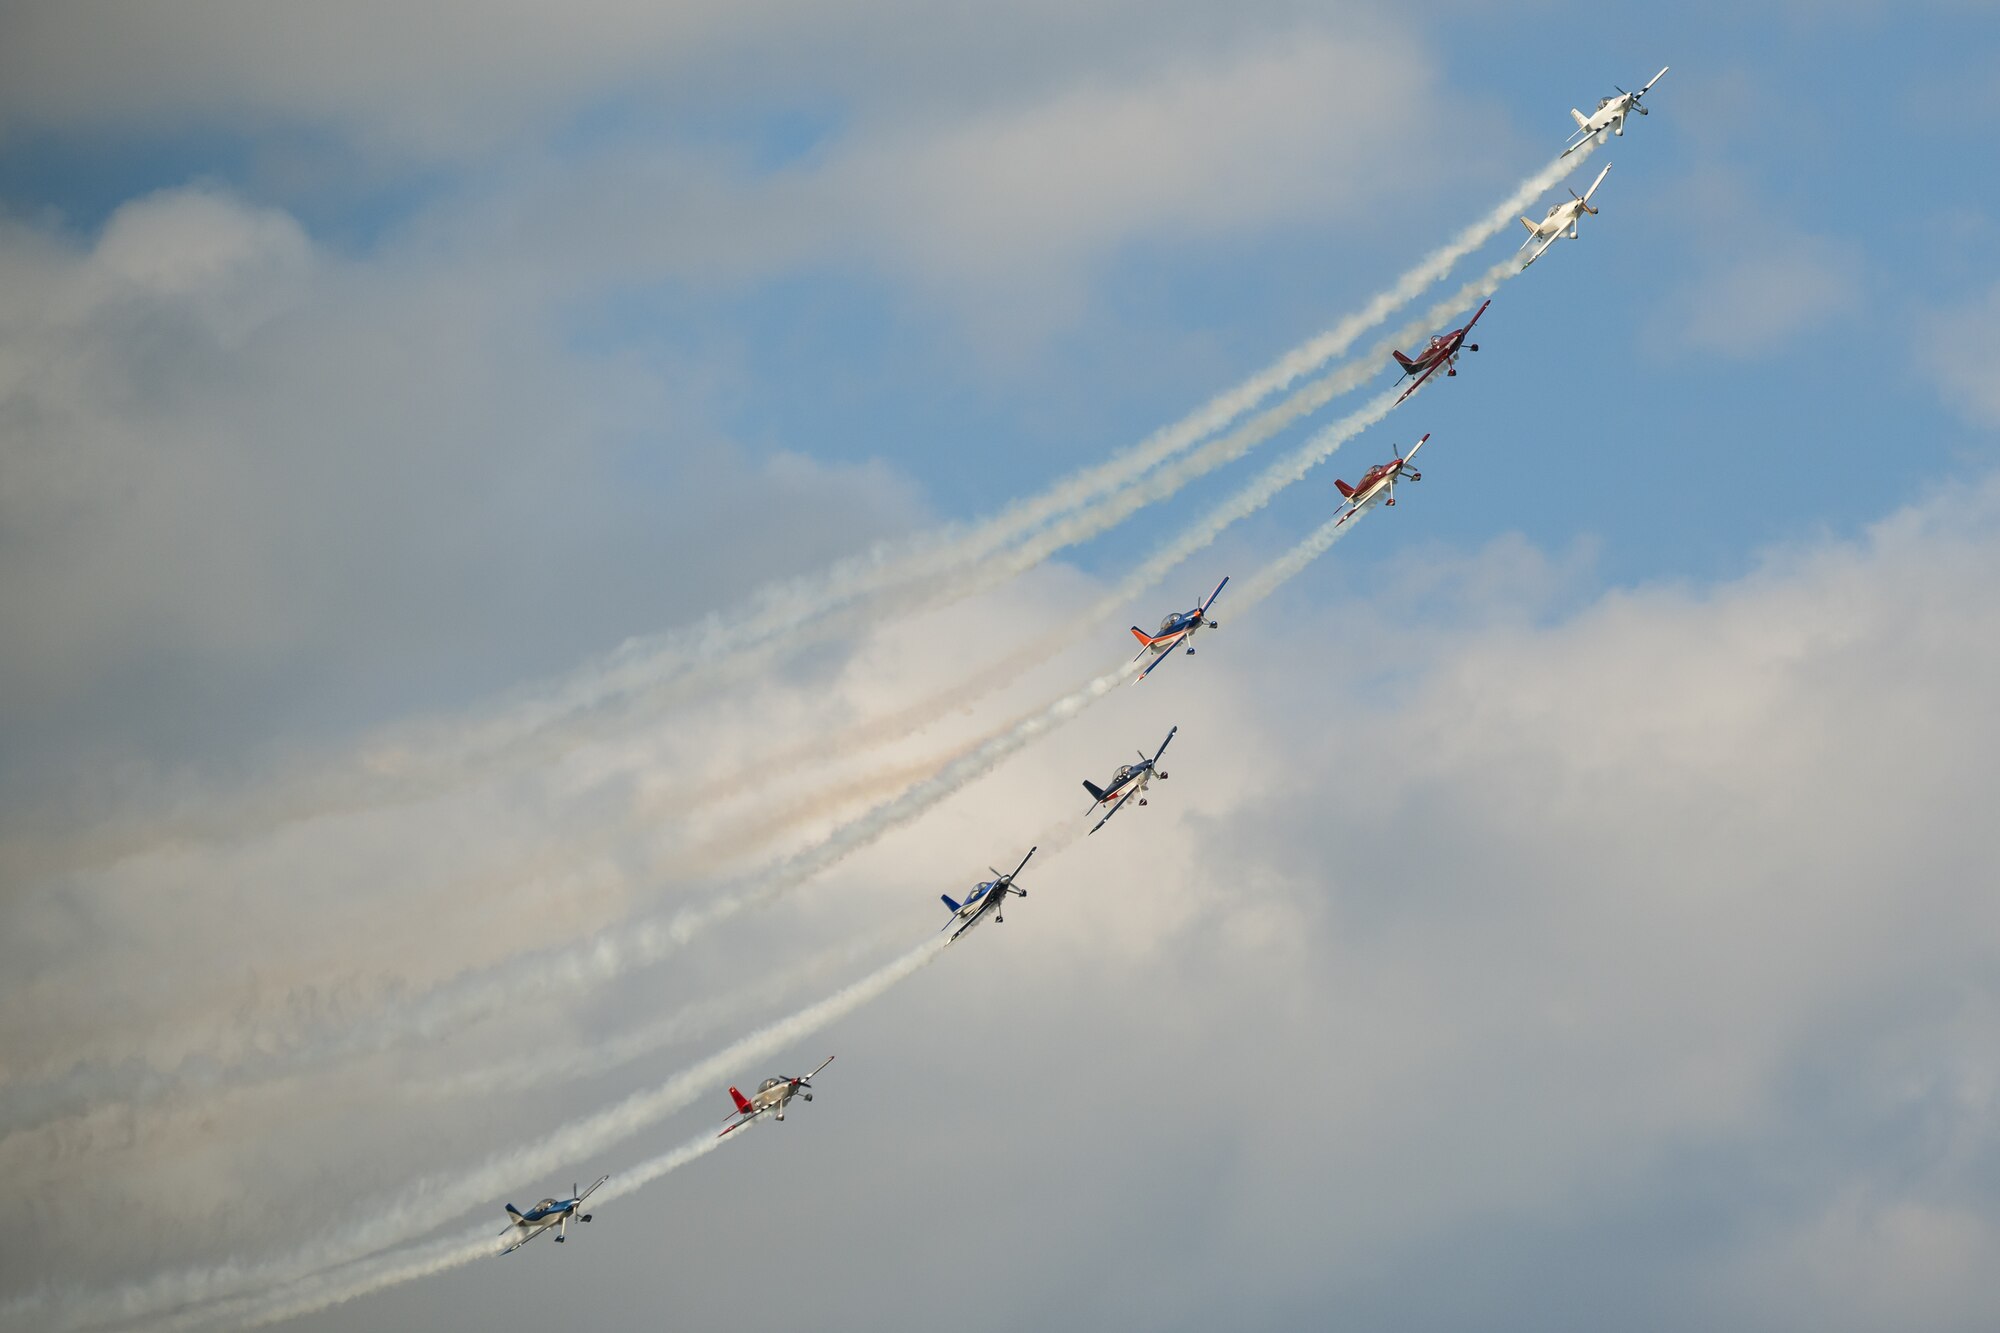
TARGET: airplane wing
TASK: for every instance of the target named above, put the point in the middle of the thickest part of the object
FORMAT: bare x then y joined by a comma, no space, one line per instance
594,1185
1599,181
754,1114
1413,448
1655,79
1541,250
1210,599
523,1240
1154,664
822,1064
1114,809
1418,382
1170,735
1476,314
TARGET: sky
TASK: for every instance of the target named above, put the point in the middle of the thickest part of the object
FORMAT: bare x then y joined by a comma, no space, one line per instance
518,603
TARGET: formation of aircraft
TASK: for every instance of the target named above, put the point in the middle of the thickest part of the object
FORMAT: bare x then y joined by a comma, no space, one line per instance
1610,115
1176,630
549,1213
990,896
1378,483
1561,220
1130,780
1442,351
770,1098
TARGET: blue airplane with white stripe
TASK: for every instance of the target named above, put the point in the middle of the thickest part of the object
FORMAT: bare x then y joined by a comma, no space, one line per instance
549,1214
1130,780
990,896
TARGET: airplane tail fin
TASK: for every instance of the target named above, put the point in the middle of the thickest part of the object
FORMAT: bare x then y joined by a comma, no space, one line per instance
512,1209
1404,361
1582,121
1530,226
1346,491
948,902
1145,639
742,1102
1096,792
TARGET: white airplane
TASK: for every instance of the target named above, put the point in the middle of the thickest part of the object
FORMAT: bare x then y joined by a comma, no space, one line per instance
548,1213
1561,220
770,1098
1610,115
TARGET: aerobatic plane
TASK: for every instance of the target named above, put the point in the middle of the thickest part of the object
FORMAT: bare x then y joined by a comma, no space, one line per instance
1130,780
1610,115
988,897
1377,483
1442,351
1561,220
549,1213
771,1096
1178,628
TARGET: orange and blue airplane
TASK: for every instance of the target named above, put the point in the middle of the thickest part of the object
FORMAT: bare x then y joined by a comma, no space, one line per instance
1177,629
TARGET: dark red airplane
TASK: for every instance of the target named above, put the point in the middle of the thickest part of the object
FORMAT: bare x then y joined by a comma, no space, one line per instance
1443,351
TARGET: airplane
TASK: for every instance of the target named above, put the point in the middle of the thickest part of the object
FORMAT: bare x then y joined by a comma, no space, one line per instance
1176,629
1443,351
1377,483
1130,780
988,897
549,1213
1561,220
1610,115
772,1094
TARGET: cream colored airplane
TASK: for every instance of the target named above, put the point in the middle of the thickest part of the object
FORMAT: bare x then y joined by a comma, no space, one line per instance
1610,115
1561,220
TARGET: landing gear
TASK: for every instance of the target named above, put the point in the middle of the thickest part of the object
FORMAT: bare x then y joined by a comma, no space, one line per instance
1142,800
1165,776
807,1095
586,1217
1472,347
561,1239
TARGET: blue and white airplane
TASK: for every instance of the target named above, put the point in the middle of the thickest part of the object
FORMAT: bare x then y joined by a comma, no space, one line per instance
1130,780
549,1213
988,897
1177,629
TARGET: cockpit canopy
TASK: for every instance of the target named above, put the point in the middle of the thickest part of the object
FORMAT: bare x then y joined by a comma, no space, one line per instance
769,1084
1170,622
543,1206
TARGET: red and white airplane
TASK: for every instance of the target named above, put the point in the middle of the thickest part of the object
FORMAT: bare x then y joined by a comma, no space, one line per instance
1379,482
1443,351
771,1096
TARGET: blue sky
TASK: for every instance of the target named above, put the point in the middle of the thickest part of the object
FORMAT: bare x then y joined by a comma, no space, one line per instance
1560,908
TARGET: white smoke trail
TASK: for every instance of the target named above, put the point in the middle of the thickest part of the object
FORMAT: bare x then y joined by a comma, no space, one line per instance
432,1202
618,950
429,1205
318,1295
550,720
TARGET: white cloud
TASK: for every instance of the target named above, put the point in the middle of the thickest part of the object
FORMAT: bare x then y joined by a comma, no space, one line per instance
1960,349
1754,302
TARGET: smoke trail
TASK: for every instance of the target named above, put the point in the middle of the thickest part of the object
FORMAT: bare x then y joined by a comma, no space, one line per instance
609,955
427,1206
530,728
432,1202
